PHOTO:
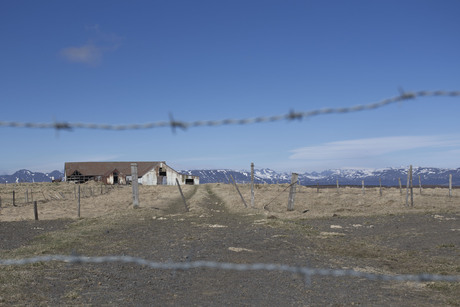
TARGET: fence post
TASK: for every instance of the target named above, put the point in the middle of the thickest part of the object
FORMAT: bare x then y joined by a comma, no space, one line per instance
35,210
78,207
0,201
292,191
380,186
27,196
252,185
14,199
337,185
400,186
420,184
182,194
317,187
450,185
234,183
409,187
363,186
135,185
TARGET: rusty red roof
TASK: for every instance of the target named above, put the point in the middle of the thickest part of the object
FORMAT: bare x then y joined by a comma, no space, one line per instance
102,168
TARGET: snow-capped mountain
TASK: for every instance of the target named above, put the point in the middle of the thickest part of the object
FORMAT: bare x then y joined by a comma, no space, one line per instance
24,175
388,176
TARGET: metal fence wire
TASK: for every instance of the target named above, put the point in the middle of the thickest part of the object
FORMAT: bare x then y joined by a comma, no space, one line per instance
173,124
306,272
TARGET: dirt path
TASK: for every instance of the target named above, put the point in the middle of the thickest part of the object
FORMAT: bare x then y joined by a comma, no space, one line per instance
389,244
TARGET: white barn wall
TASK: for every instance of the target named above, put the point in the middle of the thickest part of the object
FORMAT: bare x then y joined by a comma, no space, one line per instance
151,177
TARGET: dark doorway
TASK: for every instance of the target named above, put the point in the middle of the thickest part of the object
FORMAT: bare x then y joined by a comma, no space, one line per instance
115,178
189,181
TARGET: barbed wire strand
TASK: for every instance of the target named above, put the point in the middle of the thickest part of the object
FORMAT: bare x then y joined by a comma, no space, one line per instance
306,272
173,124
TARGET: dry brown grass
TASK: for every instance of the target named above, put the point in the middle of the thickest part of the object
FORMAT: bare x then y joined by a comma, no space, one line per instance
52,204
57,200
347,202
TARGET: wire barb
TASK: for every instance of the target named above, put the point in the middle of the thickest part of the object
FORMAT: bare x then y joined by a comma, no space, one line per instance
292,115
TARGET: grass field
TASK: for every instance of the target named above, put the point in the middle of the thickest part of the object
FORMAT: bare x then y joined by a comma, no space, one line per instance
59,200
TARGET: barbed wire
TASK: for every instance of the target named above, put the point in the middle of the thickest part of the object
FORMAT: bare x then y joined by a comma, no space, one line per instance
292,115
306,272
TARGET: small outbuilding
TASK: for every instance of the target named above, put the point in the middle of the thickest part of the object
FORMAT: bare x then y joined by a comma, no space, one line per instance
148,173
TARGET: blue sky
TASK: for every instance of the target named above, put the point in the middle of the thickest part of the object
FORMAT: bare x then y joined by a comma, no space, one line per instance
126,62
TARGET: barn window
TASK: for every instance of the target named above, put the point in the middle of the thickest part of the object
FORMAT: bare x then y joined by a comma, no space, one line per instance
189,181
77,177
161,172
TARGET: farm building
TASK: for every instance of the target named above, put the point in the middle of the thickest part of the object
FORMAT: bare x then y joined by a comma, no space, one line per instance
149,173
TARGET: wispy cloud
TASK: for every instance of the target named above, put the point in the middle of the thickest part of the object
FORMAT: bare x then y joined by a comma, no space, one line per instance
88,54
372,147
92,51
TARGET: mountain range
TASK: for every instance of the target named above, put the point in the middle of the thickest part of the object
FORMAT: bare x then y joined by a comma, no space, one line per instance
388,176
24,175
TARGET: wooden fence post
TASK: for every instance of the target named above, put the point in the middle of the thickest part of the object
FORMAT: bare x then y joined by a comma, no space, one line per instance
363,186
400,186
420,184
252,185
234,183
135,185
450,185
317,187
35,210
78,207
182,194
337,185
27,196
409,187
380,186
14,199
292,192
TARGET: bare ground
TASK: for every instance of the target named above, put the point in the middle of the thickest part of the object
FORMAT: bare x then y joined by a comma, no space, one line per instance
219,228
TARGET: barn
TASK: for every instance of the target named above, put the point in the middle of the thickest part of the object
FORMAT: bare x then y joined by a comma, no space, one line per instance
149,173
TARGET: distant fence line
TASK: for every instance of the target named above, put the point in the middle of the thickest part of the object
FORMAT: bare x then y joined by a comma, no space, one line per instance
306,272
173,124
19,196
